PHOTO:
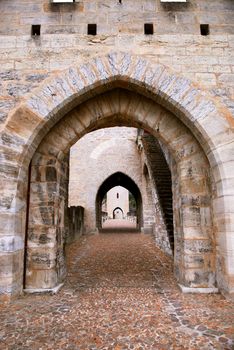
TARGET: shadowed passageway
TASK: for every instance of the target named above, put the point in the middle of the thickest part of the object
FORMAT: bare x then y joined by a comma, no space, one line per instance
120,294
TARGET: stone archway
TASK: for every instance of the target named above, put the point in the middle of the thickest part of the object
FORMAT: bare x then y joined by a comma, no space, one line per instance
118,213
192,195
119,179
25,128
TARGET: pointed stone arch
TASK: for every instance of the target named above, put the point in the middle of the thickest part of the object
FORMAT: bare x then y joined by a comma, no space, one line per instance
45,264
117,208
25,128
119,179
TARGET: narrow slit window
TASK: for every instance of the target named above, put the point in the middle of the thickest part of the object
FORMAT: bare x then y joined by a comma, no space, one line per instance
92,29
36,30
148,28
204,29
117,195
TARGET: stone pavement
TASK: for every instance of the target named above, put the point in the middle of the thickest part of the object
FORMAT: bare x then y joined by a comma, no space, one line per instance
119,225
120,294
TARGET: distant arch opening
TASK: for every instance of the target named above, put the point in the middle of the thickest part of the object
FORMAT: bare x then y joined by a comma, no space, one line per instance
119,179
118,213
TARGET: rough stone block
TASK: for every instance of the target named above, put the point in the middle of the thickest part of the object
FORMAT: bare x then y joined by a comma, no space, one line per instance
199,246
11,244
41,258
199,278
41,279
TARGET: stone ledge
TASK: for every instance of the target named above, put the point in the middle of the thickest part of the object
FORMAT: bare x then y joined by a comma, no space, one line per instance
52,291
198,290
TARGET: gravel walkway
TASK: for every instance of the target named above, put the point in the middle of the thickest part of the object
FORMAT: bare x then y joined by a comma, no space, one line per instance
120,294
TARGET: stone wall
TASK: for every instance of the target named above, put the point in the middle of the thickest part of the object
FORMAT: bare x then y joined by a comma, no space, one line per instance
25,61
157,221
113,17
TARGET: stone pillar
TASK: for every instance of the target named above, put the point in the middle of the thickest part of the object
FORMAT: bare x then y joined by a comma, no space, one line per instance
194,250
46,226
12,232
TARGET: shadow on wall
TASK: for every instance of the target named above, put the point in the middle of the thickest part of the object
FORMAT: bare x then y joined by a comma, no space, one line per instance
75,223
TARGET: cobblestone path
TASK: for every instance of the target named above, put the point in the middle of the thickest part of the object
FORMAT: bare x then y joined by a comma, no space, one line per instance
119,225
120,294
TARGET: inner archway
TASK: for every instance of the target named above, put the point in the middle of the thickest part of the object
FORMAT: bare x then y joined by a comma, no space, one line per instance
118,213
119,179
95,157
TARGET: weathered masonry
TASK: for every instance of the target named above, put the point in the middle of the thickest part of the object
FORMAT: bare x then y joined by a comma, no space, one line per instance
112,156
69,69
96,158
101,160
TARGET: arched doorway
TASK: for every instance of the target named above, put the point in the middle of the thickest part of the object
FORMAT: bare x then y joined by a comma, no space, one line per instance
119,179
192,232
143,95
118,213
